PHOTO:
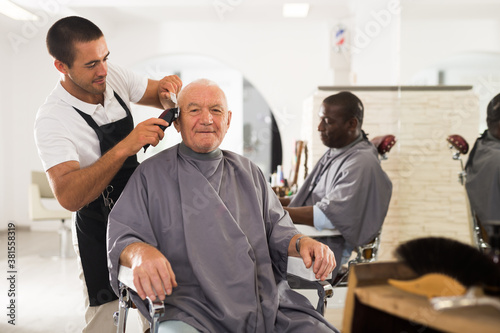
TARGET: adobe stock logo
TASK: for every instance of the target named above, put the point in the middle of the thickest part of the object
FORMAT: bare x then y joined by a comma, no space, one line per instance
380,20
224,6
30,29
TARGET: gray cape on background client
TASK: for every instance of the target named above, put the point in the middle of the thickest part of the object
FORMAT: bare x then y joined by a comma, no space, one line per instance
227,243
351,189
483,179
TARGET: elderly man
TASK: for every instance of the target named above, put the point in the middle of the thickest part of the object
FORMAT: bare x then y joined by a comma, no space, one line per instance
204,225
483,169
347,191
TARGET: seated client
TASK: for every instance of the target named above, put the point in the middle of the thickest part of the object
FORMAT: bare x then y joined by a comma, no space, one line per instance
204,225
483,170
347,190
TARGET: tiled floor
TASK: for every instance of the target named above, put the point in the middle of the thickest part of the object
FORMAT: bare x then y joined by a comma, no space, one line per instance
49,297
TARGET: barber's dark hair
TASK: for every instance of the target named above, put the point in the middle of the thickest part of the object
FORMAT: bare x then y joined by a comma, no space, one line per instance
493,112
352,106
63,34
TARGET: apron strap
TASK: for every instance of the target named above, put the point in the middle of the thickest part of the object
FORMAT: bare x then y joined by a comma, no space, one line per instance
91,122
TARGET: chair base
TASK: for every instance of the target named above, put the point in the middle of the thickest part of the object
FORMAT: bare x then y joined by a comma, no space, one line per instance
65,244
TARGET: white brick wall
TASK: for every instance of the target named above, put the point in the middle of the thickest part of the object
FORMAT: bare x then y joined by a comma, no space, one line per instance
427,199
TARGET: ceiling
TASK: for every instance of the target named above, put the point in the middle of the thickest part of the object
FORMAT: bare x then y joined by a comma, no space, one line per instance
188,10
119,12
246,10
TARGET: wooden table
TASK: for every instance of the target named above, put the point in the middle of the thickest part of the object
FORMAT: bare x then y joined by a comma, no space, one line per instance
372,305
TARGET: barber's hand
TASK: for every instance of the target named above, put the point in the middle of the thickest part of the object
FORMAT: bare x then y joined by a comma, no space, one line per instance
324,259
167,85
146,132
152,271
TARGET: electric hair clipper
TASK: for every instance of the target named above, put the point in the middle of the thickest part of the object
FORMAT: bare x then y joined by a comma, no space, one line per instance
168,115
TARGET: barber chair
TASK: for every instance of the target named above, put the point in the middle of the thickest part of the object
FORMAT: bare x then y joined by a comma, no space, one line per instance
384,143
459,147
39,193
296,270
364,254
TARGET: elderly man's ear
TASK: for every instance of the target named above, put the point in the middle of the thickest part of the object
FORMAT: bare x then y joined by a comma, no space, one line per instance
176,125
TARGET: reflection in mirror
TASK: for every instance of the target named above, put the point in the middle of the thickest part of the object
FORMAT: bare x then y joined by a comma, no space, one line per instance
253,131
479,69
261,137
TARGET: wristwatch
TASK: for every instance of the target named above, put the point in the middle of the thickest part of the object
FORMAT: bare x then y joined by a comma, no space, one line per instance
297,244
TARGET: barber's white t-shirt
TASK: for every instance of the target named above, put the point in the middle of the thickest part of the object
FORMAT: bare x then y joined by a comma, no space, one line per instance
62,135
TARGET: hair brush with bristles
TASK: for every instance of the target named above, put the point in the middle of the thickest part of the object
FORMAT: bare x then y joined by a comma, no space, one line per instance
460,261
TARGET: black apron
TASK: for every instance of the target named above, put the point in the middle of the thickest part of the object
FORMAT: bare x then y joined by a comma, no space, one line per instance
92,220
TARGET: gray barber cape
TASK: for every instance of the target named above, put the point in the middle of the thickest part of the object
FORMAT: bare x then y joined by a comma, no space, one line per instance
483,179
223,230
351,189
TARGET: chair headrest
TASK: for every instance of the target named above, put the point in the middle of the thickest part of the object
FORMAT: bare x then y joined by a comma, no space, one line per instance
459,143
384,143
40,178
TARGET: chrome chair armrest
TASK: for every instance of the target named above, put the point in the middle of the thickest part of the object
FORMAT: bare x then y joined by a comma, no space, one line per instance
313,232
300,277
126,284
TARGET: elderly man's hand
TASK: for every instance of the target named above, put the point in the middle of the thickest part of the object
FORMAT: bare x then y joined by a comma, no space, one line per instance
152,271
324,259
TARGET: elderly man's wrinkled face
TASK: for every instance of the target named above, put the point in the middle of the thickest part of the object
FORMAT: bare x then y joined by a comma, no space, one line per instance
334,129
204,118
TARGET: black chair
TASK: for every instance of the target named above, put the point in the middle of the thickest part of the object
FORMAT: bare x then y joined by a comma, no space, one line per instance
460,147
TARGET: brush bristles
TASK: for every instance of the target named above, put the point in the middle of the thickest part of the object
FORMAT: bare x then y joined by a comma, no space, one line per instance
455,259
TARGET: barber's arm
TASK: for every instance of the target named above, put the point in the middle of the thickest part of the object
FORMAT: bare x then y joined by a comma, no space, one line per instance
311,250
74,187
151,269
157,93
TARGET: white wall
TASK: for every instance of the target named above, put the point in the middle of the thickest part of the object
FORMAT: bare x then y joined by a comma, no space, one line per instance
5,131
427,42
375,43
27,78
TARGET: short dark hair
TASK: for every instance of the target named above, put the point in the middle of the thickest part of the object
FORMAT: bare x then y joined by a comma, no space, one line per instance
351,104
65,32
493,112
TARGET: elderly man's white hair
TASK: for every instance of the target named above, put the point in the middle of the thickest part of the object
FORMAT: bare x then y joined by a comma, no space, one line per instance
202,82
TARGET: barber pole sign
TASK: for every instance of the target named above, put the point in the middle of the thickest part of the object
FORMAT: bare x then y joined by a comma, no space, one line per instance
339,38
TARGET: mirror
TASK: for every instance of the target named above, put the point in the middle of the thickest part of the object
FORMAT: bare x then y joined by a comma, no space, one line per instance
479,69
